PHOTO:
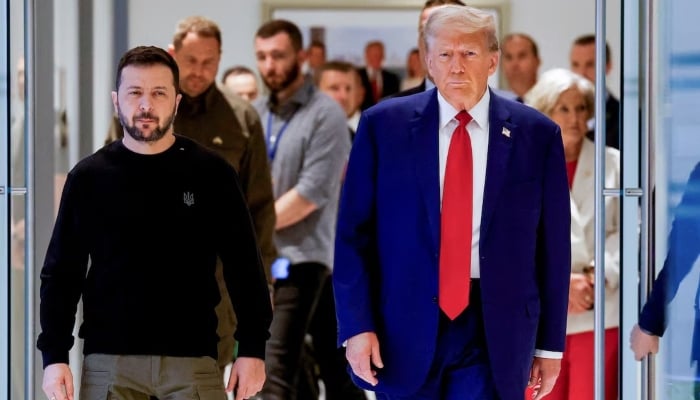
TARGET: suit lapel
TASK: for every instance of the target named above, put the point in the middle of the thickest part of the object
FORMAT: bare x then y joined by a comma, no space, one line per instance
424,135
501,133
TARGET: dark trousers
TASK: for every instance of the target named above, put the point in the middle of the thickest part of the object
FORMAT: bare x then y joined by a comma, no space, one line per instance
303,304
460,369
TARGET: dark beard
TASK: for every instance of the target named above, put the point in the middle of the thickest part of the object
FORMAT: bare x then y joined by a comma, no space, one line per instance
291,75
137,134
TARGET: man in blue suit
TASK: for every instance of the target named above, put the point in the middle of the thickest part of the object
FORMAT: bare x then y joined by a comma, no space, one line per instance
420,319
683,252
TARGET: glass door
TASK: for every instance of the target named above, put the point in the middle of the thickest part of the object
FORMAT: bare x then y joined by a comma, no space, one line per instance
4,200
28,183
661,122
16,190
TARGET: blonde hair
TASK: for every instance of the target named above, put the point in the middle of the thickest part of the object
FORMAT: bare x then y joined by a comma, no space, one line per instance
551,84
463,19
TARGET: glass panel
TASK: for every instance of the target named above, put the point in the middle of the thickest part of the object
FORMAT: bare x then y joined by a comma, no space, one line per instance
4,200
678,128
630,236
17,200
17,179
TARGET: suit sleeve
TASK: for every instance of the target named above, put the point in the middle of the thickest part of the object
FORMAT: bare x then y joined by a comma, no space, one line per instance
356,259
554,249
683,250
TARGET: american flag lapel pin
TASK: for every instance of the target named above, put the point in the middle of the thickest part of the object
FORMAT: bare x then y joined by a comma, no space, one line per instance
505,132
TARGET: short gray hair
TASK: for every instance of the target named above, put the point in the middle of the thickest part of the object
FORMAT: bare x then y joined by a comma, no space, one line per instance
463,19
551,84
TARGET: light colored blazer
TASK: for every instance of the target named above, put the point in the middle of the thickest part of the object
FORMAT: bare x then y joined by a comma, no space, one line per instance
582,232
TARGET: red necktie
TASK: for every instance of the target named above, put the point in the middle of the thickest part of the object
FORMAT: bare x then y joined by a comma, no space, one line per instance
376,94
456,222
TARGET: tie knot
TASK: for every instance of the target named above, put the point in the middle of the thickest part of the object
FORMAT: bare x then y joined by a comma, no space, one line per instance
463,117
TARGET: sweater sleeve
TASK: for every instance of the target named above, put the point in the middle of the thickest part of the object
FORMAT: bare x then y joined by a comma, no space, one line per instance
62,278
243,269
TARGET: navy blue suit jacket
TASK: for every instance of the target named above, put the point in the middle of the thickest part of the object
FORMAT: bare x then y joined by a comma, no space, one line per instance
683,251
387,246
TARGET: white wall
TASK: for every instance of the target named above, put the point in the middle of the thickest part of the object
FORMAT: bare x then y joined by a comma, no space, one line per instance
553,23
102,62
153,22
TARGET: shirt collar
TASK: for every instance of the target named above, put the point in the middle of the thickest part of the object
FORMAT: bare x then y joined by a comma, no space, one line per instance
479,113
198,104
300,98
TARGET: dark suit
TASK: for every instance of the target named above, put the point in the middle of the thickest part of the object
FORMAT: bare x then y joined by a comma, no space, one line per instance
612,123
388,241
390,85
683,251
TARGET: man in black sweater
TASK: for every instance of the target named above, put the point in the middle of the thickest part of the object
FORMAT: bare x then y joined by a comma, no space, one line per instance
151,212
229,126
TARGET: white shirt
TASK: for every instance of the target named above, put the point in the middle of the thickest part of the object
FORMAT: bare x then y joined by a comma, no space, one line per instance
478,129
354,121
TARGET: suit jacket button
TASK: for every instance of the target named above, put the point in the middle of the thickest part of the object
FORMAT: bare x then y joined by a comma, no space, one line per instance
435,299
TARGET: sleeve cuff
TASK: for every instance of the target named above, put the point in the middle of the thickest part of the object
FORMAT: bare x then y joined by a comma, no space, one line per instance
254,349
54,358
312,195
648,332
556,355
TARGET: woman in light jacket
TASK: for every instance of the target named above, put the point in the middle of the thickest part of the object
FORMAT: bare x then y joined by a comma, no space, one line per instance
568,99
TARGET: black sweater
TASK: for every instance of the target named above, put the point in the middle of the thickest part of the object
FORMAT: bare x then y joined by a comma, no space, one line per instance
151,227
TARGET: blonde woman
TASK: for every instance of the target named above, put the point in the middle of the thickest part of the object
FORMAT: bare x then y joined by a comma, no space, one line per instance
568,99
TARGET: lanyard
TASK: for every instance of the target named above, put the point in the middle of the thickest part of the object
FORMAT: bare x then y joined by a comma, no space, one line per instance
273,141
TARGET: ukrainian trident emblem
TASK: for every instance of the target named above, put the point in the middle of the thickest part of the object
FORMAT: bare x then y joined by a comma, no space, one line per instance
189,199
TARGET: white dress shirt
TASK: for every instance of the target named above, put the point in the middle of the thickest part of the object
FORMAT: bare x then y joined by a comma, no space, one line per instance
478,129
354,120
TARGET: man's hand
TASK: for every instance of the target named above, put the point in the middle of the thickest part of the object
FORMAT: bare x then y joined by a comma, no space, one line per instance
247,377
58,382
643,343
543,376
362,353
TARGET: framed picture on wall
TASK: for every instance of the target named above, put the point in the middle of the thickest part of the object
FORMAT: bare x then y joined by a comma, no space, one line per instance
346,26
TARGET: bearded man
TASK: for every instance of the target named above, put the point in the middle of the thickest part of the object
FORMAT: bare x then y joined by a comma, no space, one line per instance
307,144
149,215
